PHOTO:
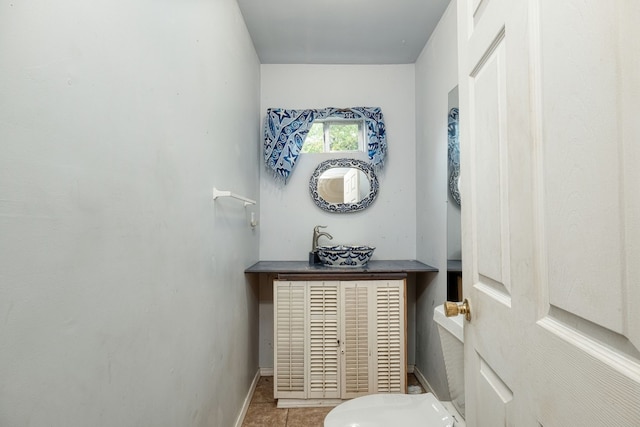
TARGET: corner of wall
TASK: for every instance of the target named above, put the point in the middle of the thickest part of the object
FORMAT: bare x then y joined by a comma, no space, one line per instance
436,75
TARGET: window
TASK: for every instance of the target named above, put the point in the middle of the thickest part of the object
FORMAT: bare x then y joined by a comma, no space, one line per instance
335,135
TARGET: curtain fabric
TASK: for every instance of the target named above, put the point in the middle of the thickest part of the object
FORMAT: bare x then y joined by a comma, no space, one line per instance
285,132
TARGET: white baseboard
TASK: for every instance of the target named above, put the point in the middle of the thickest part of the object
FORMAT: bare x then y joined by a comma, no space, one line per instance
410,369
266,372
423,381
247,400
460,422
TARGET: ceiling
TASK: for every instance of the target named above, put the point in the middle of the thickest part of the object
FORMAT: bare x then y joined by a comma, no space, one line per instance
340,31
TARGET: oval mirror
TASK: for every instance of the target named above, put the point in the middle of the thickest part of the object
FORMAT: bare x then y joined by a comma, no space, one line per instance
343,185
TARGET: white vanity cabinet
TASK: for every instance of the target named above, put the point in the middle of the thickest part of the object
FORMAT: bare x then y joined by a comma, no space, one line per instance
338,339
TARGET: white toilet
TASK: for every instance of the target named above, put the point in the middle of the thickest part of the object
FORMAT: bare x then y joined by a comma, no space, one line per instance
424,410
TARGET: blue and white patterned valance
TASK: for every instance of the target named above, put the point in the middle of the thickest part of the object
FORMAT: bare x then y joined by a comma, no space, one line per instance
286,130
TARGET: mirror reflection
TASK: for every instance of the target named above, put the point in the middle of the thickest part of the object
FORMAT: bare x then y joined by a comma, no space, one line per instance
454,155
343,185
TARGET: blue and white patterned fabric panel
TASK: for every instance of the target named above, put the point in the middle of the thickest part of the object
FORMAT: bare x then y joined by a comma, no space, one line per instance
284,135
286,130
454,154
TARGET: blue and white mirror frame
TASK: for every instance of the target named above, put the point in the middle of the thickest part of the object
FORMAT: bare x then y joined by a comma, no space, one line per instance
364,203
454,155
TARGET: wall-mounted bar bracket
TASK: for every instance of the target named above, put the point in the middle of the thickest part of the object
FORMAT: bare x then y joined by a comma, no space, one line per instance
221,193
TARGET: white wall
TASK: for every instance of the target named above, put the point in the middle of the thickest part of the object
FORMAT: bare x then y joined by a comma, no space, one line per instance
288,212
436,75
122,294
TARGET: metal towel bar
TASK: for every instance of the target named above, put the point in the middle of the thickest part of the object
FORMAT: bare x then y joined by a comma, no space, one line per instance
221,193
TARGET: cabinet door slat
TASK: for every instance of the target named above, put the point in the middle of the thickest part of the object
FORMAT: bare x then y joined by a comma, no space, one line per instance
289,345
356,377
390,333
339,339
323,340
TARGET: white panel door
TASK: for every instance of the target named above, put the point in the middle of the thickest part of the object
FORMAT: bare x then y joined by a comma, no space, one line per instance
351,186
550,154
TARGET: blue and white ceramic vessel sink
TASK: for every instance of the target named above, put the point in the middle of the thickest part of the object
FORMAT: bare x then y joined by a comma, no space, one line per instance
345,255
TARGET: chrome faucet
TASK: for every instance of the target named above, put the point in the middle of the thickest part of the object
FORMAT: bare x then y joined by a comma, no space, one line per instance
316,235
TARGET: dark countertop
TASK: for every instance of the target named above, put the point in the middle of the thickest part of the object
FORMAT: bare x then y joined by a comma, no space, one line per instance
372,267
454,266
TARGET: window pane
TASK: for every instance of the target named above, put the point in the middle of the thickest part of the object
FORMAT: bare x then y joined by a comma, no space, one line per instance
343,137
314,143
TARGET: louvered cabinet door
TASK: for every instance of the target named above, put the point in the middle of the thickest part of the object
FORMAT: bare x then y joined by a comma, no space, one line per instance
323,340
289,302
355,345
389,354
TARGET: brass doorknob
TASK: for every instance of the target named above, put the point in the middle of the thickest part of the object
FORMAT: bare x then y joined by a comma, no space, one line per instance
454,308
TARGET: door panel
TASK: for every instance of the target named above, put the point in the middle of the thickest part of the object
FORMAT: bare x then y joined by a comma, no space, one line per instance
587,336
551,215
351,186
495,397
486,213
629,111
582,208
582,383
488,120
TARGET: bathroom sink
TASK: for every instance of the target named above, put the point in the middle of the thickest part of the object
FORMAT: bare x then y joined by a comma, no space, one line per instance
345,255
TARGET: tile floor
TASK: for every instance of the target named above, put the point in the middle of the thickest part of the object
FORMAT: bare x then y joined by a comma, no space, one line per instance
264,412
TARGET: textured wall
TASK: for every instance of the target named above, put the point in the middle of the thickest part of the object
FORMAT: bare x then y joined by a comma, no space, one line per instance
436,75
122,296
289,214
